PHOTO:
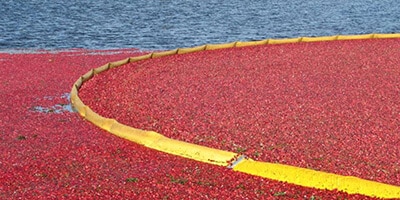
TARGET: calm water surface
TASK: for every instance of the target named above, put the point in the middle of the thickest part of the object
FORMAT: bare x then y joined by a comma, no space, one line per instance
166,24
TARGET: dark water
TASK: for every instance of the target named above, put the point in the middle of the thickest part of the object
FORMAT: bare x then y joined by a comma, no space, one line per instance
167,24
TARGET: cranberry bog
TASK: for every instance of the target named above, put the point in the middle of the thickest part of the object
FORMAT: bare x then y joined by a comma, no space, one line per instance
328,106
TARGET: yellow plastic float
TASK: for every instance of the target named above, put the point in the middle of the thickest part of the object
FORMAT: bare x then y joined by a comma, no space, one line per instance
295,175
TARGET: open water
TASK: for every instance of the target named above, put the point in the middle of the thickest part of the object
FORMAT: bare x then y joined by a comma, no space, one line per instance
167,24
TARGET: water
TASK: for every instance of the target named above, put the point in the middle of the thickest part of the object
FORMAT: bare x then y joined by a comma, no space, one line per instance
57,108
167,24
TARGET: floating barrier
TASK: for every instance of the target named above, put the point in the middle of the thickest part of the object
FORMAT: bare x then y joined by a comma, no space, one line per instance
295,175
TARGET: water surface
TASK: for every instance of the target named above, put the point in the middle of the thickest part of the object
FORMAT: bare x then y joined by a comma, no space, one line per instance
166,24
